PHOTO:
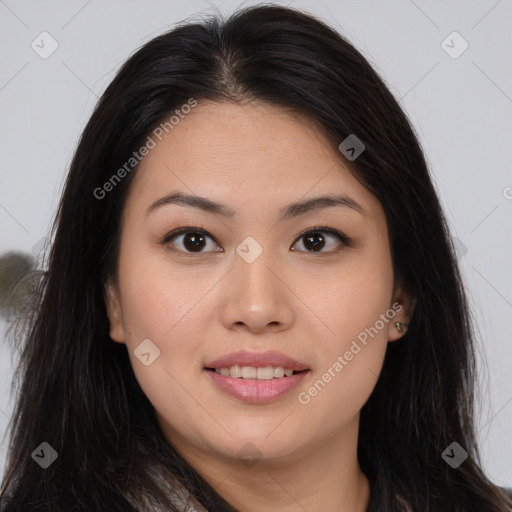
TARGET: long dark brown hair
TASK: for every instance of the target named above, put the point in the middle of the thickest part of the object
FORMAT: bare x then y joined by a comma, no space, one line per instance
77,390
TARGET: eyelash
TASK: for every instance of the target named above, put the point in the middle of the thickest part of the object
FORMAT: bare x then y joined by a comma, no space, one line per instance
345,240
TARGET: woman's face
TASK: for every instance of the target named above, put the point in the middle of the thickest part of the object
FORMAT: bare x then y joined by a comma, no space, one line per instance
259,276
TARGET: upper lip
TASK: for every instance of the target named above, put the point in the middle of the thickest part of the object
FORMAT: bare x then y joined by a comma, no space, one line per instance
257,360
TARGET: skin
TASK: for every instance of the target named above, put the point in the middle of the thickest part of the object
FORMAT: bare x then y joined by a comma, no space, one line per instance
256,159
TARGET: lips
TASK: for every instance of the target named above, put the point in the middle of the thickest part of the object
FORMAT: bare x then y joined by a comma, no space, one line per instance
256,390
256,360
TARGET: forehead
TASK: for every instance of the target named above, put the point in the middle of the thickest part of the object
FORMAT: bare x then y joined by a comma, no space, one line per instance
251,156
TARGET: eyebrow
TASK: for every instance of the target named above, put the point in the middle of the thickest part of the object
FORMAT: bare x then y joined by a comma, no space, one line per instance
288,212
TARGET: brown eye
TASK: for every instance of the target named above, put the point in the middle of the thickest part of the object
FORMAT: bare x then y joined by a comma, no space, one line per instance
194,241
316,239
191,241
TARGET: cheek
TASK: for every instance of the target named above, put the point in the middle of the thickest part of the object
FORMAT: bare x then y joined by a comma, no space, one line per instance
349,361
353,297
163,306
155,297
352,305
158,304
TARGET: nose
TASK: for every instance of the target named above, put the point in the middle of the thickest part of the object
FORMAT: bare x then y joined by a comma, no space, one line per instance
257,297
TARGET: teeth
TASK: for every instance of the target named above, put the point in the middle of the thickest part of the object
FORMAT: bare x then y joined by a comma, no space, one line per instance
278,372
235,371
265,373
251,372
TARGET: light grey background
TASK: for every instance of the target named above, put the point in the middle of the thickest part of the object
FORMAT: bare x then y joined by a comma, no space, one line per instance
461,108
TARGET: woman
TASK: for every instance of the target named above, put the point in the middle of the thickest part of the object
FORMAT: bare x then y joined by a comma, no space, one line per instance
251,302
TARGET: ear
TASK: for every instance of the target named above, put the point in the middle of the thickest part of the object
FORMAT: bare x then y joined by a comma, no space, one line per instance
403,303
114,311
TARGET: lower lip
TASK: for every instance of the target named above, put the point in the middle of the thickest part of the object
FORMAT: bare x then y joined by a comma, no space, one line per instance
256,391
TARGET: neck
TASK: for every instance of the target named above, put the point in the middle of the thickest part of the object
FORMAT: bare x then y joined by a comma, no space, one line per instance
304,488
323,476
